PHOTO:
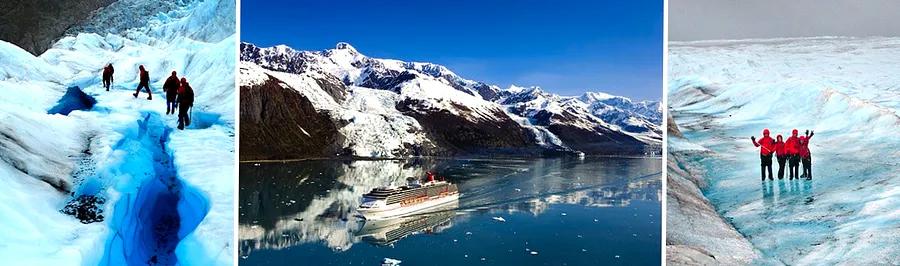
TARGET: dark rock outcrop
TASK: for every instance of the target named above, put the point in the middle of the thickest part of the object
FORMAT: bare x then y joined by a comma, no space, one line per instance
86,208
386,79
280,123
36,25
672,128
599,141
456,135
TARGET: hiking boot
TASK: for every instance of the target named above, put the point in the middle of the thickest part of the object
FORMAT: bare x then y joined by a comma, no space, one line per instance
135,94
149,98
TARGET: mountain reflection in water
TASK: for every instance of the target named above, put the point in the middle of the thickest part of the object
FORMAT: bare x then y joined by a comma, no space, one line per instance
283,205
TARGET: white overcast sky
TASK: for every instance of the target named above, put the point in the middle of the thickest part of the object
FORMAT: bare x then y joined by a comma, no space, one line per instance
743,19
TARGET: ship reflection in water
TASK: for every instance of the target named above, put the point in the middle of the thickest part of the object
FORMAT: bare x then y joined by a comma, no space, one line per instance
386,232
509,212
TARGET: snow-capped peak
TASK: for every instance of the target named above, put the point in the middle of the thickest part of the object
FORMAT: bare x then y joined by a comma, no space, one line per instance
590,97
515,89
345,46
344,51
283,49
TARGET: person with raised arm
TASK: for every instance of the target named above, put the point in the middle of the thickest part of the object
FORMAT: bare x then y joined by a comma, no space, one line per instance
766,147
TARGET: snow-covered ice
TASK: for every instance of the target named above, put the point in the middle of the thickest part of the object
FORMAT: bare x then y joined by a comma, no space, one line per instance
117,147
846,89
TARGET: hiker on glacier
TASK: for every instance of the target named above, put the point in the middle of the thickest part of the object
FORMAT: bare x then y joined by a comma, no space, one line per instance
185,101
108,76
144,83
780,155
805,156
792,148
171,89
767,147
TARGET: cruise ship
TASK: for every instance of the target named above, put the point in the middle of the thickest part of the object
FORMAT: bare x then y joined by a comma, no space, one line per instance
389,231
415,196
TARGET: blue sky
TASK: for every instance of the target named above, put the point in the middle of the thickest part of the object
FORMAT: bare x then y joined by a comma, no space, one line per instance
566,47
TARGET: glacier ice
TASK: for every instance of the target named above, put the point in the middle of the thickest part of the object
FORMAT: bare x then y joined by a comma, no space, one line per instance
722,92
65,136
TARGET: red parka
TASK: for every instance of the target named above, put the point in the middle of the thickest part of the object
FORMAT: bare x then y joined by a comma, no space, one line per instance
779,146
804,146
804,149
791,145
766,144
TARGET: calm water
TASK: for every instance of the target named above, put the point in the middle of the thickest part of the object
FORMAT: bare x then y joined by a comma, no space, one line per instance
556,211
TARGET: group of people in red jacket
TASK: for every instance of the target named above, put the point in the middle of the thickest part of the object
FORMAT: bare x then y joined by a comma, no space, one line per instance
793,152
179,94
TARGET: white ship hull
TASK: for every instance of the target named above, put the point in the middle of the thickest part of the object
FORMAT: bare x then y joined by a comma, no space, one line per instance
395,210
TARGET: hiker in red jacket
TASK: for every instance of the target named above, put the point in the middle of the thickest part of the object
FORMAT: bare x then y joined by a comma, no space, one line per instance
108,76
780,155
144,83
767,147
185,103
805,156
792,149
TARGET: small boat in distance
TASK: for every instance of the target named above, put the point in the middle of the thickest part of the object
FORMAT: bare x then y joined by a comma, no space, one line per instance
415,196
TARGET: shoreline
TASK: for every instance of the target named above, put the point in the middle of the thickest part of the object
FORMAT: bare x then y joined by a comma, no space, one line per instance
438,157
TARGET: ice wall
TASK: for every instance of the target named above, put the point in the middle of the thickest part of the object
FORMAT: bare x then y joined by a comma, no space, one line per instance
57,140
843,88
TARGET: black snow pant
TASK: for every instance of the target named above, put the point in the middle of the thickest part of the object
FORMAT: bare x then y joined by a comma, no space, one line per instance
183,117
807,167
793,166
106,83
766,164
782,162
171,103
144,86
171,106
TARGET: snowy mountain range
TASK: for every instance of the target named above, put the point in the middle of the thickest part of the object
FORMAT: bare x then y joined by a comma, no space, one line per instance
340,102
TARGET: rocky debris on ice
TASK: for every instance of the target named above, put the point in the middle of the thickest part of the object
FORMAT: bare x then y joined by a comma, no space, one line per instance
694,230
87,208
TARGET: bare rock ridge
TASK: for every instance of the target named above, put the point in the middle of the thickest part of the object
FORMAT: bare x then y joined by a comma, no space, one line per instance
278,121
36,25
672,128
695,233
